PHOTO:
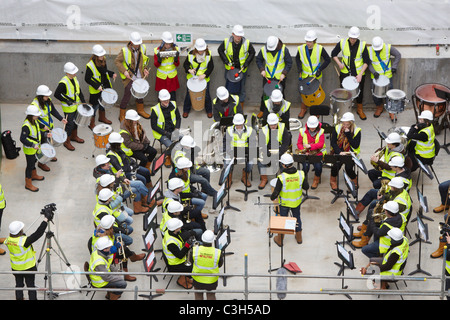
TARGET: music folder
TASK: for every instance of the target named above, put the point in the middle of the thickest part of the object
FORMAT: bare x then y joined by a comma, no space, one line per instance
283,225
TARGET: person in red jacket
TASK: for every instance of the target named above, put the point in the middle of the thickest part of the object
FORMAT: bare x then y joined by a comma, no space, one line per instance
311,141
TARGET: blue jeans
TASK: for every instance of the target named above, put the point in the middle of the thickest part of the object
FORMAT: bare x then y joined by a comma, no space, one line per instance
138,188
372,250
317,168
199,202
443,191
284,211
202,176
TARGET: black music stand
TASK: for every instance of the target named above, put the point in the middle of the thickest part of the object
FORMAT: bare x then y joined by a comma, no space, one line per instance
245,191
347,231
302,158
382,136
223,239
338,160
423,230
227,170
150,260
347,262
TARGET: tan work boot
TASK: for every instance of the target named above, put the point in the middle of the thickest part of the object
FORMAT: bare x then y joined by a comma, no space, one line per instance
183,281
263,182
333,183
298,237
128,277
360,233
303,110
29,185
74,136
43,166
102,117
68,145
260,114
361,243
122,114
440,250
378,111
140,110
138,208
360,112
278,239
35,176
245,179
441,208
229,180
315,183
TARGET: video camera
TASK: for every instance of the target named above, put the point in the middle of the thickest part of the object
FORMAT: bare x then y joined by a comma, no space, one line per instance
49,211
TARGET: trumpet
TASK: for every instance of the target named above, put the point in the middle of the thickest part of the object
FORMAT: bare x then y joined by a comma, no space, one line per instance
128,188
121,250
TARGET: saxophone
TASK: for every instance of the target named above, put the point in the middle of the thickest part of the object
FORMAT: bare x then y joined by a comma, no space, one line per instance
378,214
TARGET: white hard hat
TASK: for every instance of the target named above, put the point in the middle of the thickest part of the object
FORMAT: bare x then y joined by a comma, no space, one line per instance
174,223
167,37
393,137
33,110
354,32
132,115
103,243
377,43
310,35
15,227
397,162
396,182
426,114
70,68
107,179
115,137
312,122
98,50
348,116
175,183
286,159
238,119
105,194
200,44
208,236
174,206
164,95
184,163
43,90
272,118
276,95
391,206
238,30
187,141
101,159
272,43
395,234
107,221
135,38
222,93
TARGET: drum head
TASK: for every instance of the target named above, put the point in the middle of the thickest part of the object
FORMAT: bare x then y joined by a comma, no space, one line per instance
341,94
140,86
350,83
102,129
48,150
233,75
269,87
273,182
396,94
382,81
59,135
85,110
427,93
109,95
194,84
308,86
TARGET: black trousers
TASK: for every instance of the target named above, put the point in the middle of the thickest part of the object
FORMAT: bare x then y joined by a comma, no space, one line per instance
31,164
28,279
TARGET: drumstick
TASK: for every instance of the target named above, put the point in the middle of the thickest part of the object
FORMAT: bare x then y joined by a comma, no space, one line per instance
313,77
64,127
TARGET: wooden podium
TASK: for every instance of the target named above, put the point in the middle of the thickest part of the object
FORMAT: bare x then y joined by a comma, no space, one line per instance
283,225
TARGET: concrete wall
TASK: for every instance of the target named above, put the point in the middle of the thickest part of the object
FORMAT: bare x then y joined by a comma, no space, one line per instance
24,68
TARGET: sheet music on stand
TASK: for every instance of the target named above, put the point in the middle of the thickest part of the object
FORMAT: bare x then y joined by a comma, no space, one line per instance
359,162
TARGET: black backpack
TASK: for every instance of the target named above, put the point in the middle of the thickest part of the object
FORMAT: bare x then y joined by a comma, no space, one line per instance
9,145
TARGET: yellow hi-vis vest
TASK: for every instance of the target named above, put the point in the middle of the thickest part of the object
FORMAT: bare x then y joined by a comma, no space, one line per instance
308,70
161,121
291,193
272,70
34,137
167,67
203,66
388,155
2,198
345,49
405,199
104,208
206,260
45,118
243,52
426,149
72,92
96,76
127,54
171,259
385,56
403,251
240,141
21,258
96,260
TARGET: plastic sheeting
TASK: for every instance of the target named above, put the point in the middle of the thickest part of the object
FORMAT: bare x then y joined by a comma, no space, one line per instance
399,22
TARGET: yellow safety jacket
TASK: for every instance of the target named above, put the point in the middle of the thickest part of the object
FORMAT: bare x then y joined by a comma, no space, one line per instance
171,259
161,121
291,193
382,65
45,118
96,260
243,52
206,260
426,149
96,75
34,137
403,252
304,136
21,258
72,92
309,69
272,70
203,66
167,69
2,198
127,56
345,49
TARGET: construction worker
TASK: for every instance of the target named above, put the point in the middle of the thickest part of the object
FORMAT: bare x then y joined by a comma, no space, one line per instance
380,55
132,62
237,52
69,93
206,259
31,139
311,60
2,207
98,77
48,111
23,256
355,61
278,105
175,250
274,62
225,104
102,261
274,139
166,72
311,141
288,189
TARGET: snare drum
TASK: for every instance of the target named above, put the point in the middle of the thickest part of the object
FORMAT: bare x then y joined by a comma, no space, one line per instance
351,84
380,86
84,115
271,85
139,88
45,153
395,101
197,92
108,98
101,134
311,91
59,136
340,101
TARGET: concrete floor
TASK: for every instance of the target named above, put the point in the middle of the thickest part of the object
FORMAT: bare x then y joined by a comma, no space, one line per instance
70,185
